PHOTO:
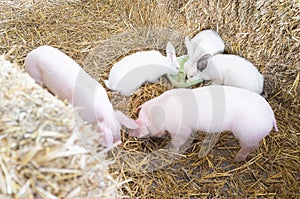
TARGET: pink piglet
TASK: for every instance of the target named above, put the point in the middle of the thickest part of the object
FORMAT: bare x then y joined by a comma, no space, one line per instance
65,78
210,109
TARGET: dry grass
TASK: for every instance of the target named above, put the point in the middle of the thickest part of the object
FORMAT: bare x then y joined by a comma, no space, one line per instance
98,33
46,152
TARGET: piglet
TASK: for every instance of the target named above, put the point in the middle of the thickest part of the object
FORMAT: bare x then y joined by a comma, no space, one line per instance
66,79
211,109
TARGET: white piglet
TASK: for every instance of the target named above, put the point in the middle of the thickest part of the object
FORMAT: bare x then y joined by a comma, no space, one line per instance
127,75
231,70
210,109
65,78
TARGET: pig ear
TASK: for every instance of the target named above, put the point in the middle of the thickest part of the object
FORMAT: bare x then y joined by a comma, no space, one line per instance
126,121
202,62
158,116
143,120
138,109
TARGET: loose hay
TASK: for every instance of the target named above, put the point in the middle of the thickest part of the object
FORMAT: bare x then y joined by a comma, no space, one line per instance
41,151
265,32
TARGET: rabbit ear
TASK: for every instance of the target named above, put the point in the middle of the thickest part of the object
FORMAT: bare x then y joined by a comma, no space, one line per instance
171,55
188,46
170,49
202,62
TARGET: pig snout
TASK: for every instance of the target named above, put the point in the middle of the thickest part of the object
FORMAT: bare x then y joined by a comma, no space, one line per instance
134,133
139,133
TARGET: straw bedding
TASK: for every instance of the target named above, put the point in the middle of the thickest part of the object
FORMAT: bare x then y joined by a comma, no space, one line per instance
99,33
44,149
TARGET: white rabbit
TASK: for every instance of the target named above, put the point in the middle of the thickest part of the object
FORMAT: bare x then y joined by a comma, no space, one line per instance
132,71
206,42
230,70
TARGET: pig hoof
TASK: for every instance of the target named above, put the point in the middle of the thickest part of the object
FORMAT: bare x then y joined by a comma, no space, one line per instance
174,149
239,159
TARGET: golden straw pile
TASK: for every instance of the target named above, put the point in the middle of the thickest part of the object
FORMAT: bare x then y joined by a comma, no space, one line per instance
99,33
45,151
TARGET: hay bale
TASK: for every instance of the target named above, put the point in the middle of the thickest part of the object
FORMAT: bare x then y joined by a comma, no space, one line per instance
44,149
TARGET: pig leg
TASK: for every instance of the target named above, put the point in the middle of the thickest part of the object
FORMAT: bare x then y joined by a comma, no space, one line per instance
179,138
160,134
244,151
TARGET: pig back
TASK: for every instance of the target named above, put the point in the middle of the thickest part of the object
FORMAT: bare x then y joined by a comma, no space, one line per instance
186,108
220,107
54,69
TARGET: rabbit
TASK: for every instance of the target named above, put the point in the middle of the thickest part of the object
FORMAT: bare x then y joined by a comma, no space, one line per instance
230,70
211,109
132,71
206,42
52,68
